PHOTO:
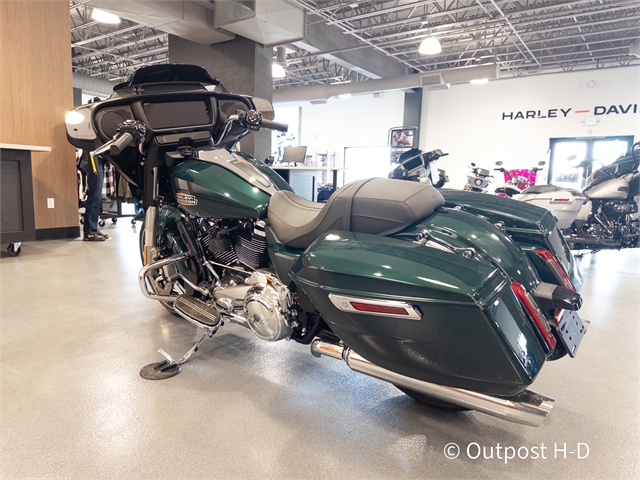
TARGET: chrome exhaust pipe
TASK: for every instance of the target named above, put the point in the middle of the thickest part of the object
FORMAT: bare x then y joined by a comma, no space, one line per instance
527,408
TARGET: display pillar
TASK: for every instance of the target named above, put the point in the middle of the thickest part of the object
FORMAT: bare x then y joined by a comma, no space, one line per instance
243,66
412,112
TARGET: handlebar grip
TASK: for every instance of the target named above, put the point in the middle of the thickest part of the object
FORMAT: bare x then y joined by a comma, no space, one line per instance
281,127
120,144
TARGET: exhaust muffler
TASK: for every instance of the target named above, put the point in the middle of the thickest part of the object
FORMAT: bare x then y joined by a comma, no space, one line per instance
527,408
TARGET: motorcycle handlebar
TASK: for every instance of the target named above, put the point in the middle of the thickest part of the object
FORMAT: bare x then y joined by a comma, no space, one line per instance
121,143
115,146
281,127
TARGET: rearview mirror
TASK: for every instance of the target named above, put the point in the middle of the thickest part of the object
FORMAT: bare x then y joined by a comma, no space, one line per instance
498,163
265,107
542,162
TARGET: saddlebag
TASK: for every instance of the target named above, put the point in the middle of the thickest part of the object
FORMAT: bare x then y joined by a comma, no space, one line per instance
421,311
530,226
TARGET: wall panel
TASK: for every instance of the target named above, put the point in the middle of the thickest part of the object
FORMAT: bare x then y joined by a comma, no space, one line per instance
35,93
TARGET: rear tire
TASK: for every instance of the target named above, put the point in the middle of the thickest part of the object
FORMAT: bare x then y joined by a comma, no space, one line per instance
434,402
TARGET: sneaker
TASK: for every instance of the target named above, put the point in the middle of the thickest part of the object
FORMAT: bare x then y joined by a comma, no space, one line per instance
94,237
103,235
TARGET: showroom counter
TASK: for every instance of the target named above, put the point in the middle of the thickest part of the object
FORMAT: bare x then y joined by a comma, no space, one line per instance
17,223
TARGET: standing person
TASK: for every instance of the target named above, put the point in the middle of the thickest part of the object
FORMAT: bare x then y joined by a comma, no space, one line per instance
94,172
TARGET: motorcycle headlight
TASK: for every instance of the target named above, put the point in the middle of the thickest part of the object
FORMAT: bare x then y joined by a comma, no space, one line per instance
73,118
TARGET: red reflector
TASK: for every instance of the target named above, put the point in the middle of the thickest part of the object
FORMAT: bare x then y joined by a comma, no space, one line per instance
555,266
368,307
561,200
535,314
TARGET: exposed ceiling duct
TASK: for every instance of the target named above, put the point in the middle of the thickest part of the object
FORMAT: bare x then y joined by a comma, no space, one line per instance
269,22
189,20
433,80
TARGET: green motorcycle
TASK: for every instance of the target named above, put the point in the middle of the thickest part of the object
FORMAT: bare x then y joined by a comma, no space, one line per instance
456,298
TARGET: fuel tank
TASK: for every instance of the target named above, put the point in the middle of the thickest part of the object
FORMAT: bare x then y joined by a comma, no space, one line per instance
614,189
422,311
218,183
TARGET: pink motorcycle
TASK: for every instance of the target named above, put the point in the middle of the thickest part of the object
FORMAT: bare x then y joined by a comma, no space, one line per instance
516,180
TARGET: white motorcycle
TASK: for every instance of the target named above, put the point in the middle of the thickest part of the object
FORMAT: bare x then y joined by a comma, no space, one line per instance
478,179
605,214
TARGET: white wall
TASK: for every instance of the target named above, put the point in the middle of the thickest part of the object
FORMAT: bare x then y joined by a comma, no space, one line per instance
467,122
357,121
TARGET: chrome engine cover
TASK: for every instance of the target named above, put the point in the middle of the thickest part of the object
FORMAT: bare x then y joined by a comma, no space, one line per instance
265,307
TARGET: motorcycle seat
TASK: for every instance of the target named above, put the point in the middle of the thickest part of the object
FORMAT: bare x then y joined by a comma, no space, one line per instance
378,206
541,189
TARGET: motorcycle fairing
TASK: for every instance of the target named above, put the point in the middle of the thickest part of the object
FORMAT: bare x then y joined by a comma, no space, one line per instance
471,334
528,225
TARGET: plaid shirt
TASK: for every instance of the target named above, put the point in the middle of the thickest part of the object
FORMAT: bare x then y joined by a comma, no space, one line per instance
109,185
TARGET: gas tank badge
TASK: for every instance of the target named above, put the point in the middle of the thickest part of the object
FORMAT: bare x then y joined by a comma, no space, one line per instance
186,199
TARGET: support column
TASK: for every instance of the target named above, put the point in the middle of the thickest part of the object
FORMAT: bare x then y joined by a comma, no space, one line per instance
243,66
77,97
413,111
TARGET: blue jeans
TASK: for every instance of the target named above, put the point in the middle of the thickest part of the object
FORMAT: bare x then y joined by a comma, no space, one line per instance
94,196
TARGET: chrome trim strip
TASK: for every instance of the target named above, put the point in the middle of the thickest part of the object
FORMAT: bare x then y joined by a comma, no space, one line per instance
343,302
527,408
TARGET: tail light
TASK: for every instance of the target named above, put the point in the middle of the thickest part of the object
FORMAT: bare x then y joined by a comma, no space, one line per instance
536,315
556,268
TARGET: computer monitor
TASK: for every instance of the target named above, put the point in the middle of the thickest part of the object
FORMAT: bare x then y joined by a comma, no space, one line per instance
294,154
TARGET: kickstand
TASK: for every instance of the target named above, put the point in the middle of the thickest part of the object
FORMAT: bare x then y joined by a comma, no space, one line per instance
592,252
169,367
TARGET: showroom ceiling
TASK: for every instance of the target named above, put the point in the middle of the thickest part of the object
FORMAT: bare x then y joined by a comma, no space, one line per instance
523,37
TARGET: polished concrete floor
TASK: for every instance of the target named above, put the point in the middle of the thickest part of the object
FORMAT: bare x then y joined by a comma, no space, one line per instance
75,331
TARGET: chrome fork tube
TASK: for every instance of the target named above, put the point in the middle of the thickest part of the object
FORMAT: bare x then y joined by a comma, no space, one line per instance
150,252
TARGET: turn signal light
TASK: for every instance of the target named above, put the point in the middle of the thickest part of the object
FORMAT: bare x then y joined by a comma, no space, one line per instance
556,268
536,315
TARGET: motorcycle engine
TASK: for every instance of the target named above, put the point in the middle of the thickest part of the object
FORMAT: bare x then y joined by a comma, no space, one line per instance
266,307
620,208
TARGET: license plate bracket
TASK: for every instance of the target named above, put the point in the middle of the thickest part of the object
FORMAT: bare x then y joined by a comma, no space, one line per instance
571,329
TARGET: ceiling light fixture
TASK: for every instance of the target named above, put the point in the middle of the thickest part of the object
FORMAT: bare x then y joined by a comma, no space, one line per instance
430,46
277,71
105,17
479,81
277,68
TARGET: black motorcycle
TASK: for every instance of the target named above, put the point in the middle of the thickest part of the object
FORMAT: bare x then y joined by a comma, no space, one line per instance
419,166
